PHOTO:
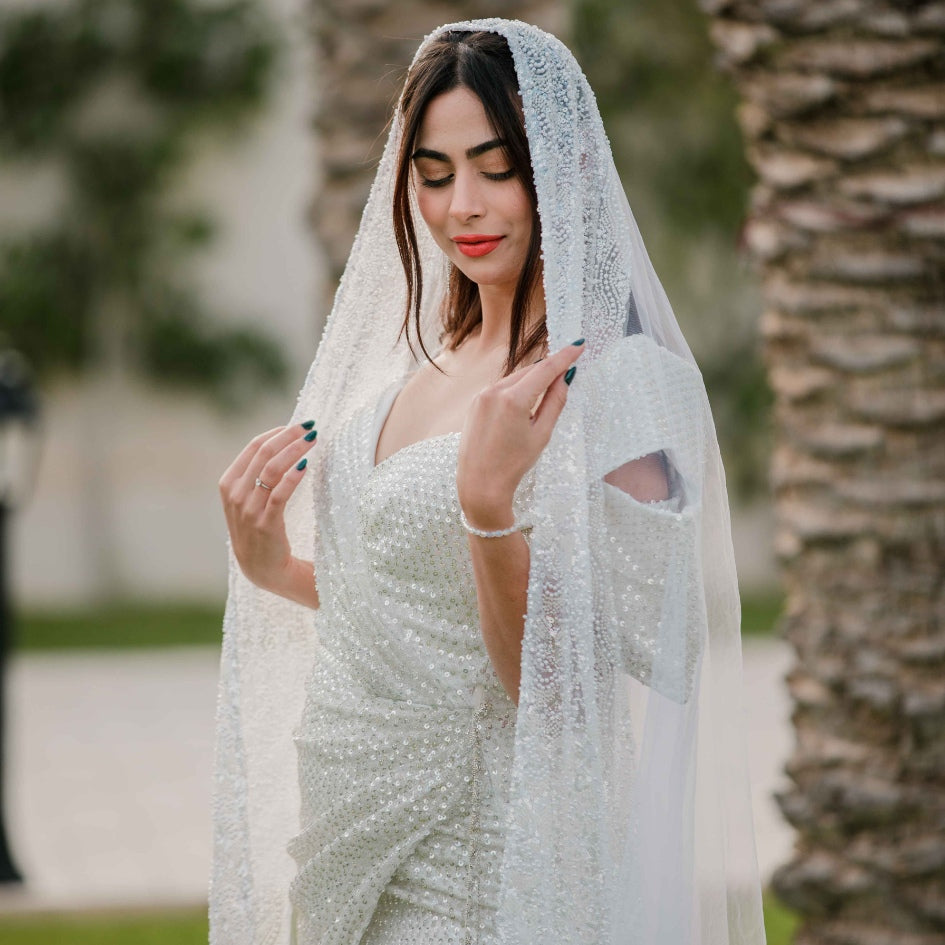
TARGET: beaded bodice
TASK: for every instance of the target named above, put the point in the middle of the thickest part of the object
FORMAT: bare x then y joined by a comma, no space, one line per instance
399,610
406,739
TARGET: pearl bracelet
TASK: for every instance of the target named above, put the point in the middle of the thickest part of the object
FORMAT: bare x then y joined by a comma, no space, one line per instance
517,526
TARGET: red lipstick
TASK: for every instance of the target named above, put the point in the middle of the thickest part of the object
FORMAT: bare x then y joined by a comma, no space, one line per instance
477,244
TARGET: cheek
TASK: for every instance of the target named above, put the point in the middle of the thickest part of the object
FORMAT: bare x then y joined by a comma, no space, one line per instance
520,209
430,205
426,197
423,203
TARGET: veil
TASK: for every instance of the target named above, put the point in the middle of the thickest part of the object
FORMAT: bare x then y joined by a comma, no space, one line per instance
629,820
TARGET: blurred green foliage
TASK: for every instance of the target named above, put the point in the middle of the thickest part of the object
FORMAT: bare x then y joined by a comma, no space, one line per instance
670,117
742,404
103,283
761,611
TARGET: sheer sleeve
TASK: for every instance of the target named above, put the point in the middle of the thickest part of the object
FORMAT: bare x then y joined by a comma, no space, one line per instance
649,601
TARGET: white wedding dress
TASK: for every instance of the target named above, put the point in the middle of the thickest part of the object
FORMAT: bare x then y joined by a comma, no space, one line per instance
622,814
405,744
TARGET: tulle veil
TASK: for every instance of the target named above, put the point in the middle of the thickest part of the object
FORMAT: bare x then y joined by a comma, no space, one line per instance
630,815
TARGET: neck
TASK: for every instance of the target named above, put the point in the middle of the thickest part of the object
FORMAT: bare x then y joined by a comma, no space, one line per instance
496,302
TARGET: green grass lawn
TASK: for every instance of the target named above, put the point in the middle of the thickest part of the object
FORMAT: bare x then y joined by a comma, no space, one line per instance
119,626
164,928
190,928
780,922
142,625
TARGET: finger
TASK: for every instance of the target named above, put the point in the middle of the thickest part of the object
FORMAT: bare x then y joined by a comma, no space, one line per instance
241,493
516,375
537,381
280,464
238,466
282,491
271,448
274,470
556,396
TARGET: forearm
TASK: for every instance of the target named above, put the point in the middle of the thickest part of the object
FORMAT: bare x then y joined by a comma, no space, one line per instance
296,583
501,570
508,425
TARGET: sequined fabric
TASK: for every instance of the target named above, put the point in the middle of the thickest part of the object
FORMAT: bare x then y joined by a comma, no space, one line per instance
405,744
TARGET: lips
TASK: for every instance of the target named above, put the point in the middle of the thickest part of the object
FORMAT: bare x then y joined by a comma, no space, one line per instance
477,244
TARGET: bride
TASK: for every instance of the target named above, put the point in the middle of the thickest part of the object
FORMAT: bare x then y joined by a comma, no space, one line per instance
480,671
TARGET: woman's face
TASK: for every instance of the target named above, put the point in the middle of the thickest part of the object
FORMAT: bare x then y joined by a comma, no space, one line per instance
470,197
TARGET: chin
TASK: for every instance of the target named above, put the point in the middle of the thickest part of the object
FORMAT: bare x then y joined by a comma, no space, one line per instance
486,274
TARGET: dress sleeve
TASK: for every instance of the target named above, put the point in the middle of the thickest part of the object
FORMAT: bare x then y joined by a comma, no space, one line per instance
649,605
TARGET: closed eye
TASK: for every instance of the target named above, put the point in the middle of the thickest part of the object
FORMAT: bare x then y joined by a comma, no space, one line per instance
443,181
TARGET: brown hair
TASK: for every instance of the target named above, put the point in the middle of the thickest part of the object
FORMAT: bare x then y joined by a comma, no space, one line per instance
481,62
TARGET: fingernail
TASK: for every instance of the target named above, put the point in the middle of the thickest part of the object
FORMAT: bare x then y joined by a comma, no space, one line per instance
301,464
310,436
580,341
569,374
308,424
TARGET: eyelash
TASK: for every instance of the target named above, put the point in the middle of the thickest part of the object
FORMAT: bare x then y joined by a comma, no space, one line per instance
443,181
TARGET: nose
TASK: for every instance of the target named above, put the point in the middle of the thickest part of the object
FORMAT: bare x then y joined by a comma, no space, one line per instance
466,200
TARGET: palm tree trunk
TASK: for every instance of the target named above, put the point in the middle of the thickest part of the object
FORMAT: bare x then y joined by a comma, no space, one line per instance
843,113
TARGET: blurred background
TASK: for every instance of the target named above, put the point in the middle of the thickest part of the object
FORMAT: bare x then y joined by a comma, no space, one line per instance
180,182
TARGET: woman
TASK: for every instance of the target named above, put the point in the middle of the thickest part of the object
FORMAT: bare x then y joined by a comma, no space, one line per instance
512,680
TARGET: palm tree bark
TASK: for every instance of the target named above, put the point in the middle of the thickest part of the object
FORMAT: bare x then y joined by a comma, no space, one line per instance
843,114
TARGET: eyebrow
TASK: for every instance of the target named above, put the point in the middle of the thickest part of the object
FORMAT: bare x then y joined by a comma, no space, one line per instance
470,152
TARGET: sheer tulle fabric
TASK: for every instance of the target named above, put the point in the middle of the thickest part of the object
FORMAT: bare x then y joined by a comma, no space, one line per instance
628,816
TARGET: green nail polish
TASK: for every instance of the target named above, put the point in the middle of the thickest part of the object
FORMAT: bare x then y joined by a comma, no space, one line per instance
580,341
308,424
302,464
569,374
310,436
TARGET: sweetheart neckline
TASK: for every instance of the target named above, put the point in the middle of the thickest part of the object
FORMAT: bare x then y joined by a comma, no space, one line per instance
399,384
410,446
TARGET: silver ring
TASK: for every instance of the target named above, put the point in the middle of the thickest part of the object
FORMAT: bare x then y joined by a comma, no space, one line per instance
259,482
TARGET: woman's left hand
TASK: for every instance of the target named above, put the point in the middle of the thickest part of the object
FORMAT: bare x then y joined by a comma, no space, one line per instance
503,438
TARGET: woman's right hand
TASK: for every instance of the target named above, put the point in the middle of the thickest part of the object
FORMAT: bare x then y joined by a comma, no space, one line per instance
255,514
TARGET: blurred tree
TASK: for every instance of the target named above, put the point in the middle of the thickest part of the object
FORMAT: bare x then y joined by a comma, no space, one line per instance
112,94
670,119
843,113
97,288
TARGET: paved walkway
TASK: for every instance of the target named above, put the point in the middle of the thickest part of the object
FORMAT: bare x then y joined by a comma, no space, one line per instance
109,772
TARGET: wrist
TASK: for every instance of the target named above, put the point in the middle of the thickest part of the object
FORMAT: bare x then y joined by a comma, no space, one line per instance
284,579
489,516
